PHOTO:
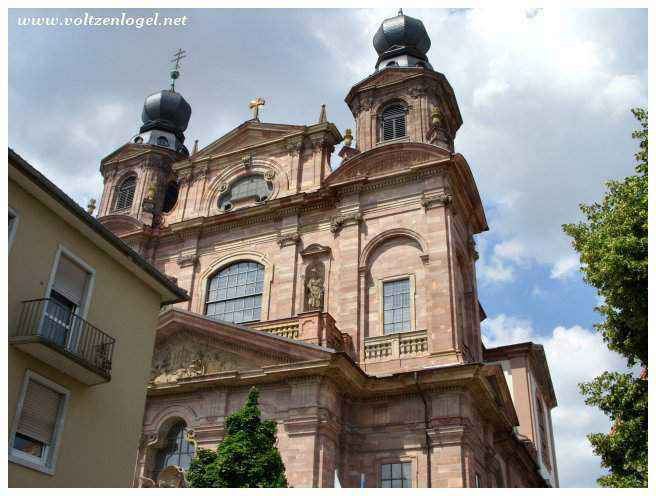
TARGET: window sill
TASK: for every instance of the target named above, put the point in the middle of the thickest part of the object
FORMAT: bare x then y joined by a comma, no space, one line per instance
18,460
403,139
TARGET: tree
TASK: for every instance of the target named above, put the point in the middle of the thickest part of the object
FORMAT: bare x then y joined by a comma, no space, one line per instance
612,244
247,456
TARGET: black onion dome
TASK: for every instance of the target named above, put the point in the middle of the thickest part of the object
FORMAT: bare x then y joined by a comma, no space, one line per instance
166,110
402,32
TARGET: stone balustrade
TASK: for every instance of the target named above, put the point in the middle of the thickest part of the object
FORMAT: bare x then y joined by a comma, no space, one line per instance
396,346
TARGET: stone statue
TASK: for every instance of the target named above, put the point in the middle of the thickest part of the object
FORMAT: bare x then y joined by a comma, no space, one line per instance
171,476
315,293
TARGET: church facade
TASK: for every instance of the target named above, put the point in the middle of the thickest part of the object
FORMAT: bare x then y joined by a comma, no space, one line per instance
347,295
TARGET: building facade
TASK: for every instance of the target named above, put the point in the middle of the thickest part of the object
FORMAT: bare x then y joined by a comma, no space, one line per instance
79,348
346,294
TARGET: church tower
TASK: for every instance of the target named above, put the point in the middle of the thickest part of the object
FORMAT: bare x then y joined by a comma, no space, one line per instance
139,182
411,102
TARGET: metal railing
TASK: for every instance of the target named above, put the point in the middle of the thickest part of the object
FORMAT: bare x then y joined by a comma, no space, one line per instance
56,324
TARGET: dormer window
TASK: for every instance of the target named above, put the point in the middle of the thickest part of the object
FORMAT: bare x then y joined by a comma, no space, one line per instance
392,122
253,188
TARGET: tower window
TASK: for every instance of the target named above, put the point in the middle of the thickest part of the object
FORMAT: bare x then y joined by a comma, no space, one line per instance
234,294
392,123
162,141
125,193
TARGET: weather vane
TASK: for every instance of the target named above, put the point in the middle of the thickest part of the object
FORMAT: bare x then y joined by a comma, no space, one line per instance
175,73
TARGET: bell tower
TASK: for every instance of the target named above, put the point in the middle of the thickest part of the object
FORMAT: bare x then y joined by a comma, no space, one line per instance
139,182
404,99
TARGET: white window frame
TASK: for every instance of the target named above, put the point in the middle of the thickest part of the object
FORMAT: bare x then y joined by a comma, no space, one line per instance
380,283
14,227
88,291
47,462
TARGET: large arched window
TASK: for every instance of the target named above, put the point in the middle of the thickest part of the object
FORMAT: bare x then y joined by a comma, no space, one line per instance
392,122
234,294
125,193
177,450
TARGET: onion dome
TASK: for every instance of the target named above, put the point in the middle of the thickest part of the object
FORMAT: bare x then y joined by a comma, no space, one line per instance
402,41
166,110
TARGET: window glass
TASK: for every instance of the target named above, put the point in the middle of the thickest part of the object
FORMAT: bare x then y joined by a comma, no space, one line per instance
234,294
253,187
396,306
396,475
178,450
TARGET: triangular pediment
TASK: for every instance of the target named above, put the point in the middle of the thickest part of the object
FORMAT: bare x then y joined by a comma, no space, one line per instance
250,134
191,346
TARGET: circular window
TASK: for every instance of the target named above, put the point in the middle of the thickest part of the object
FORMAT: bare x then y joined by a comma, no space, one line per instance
253,188
138,139
162,141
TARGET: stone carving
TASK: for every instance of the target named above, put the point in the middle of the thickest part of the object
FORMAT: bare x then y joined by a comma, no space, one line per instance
314,279
340,221
288,239
438,200
223,187
269,174
171,476
187,259
247,161
185,355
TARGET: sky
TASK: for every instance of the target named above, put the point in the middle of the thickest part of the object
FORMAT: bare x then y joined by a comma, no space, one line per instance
545,97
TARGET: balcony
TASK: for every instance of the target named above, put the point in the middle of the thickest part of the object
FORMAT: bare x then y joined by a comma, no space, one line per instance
395,346
51,333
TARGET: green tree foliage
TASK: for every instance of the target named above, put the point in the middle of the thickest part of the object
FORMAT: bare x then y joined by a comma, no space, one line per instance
247,456
612,244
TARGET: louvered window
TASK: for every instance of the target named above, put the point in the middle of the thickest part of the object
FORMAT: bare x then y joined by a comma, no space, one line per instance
36,429
393,122
125,193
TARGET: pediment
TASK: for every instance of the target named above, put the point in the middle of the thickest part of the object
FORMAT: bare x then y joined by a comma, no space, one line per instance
187,354
387,160
248,135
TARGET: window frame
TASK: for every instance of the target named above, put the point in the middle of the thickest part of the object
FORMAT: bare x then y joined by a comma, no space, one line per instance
117,192
183,435
83,308
48,461
380,285
14,226
381,122
398,460
225,267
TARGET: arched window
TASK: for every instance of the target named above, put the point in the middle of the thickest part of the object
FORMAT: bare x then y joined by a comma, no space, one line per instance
250,188
125,193
162,141
392,122
177,450
234,294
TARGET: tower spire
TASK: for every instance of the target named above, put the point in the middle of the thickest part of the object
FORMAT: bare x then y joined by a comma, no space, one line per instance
175,72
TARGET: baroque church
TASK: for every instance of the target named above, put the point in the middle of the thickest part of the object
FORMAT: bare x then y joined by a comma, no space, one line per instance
346,293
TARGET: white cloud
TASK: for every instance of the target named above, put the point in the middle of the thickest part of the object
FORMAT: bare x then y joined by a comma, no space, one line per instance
565,267
575,355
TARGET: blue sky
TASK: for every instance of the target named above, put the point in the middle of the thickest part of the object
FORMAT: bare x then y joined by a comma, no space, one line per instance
545,98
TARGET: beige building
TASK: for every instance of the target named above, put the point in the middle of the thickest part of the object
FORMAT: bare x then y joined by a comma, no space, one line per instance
82,313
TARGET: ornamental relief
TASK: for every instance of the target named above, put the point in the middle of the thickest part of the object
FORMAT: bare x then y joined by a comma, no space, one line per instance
400,160
185,355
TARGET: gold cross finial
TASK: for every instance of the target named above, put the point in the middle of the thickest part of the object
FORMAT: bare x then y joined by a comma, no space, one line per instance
255,105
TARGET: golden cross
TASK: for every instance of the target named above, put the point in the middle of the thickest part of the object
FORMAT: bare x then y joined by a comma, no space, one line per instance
255,105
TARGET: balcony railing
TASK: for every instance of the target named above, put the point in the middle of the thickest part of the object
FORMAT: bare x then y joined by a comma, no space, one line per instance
47,322
396,346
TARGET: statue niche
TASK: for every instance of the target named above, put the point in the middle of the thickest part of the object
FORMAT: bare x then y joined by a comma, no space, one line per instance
314,287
